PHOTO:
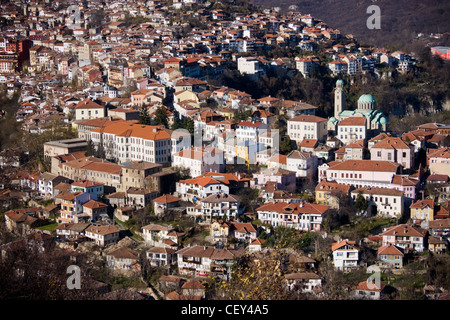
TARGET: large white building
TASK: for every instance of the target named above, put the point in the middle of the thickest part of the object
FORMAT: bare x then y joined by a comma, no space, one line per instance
307,127
250,130
250,66
305,64
351,129
360,173
125,141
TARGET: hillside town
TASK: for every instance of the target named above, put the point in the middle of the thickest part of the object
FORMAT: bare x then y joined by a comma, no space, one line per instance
140,163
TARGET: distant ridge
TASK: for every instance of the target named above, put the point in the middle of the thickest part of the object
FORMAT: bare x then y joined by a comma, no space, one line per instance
401,20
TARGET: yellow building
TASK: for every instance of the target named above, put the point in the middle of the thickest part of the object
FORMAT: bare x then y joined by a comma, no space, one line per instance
329,193
422,210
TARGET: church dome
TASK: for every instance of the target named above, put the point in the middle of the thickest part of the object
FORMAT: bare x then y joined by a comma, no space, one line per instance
383,120
366,98
366,103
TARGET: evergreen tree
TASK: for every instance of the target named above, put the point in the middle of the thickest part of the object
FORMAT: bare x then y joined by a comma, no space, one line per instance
188,124
161,117
361,204
286,145
144,118
90,149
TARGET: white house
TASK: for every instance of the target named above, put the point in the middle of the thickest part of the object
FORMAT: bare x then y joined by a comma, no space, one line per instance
87,109
159,256
345,255
200,160
303,282
216,205
389,202
102,235
200,187
304,164
161,235
351,129
405,237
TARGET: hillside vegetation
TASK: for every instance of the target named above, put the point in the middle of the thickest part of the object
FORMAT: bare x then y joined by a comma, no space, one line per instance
401,20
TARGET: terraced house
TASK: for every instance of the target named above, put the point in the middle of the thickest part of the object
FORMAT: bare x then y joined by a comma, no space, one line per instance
207,261
406,237
301,215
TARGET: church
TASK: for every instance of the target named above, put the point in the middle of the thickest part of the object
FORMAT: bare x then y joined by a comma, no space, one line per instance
376,122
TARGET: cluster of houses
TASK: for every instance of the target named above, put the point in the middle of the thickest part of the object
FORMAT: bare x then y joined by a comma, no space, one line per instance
97,79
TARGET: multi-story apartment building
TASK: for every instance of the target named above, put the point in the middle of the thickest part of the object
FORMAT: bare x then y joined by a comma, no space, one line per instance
393,149
250,66
250,130
220,205
351,129
305,64
126,141
307,127
71,205
405,237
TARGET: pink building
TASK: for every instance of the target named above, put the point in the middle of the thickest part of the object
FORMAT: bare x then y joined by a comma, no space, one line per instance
407,185
393,149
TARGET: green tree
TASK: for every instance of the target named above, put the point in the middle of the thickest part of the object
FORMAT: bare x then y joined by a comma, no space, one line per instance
361,204
90,149
286,145
161,117
144,118
188,124
249,198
